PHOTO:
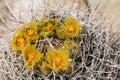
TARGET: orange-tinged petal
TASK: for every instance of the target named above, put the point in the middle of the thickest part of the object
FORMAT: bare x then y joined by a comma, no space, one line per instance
72,29
19,41
49,27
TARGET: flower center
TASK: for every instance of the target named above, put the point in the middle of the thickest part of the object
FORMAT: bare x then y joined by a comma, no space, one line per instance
21,41
49,27
58,61
31,57
72,29
30,32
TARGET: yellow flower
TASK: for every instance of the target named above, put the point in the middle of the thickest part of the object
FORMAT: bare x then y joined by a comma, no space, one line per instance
58,60
72,27
31,56
48,25
19,41
31,33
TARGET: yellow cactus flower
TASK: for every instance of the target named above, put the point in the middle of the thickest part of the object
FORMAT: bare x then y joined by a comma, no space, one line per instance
19,41
46,21
31,33
47,26
72,27
58,60
31,56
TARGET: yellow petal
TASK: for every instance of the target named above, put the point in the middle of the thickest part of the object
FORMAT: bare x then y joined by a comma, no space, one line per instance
32,24
48,25
72,27
31,56
31,33
58,60
19,41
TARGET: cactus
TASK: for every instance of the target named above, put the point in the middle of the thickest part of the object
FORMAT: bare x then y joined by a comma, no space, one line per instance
69,42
